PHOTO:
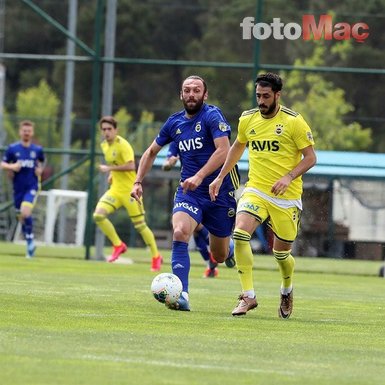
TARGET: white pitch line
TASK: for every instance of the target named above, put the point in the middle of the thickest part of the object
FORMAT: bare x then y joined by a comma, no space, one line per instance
184,365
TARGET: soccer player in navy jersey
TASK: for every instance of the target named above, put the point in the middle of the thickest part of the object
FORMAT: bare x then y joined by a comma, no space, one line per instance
201,234
25,161
202,135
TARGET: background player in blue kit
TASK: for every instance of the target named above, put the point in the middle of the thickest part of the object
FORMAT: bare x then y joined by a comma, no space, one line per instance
201,235
202,135
25,161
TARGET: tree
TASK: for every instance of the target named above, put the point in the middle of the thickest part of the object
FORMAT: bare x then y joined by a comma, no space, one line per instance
198,30
324,106
41,105
140,134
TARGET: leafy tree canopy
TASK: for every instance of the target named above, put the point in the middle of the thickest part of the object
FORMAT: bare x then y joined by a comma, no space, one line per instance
323,105
41,105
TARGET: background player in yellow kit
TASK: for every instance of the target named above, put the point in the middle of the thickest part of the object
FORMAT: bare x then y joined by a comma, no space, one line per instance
281,150
120,164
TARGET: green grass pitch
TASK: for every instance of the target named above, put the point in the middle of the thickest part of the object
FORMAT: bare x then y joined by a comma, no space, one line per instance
68,321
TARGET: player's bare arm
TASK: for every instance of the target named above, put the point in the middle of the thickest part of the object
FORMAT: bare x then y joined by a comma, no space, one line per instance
15,167
145,165
129,166
232,159
170,163
307,162
39,169
218,157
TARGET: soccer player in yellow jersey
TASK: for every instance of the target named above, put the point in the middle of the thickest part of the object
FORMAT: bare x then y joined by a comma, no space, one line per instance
280,145
120,164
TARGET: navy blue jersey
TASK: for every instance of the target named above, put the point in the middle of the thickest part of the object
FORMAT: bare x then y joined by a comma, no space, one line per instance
28,157
194,138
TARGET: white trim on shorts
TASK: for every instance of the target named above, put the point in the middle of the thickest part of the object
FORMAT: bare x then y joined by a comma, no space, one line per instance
283,203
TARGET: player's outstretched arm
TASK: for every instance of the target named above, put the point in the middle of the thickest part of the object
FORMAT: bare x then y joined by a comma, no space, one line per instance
41,163
39,170
15,167
169,163
145,165
222,146
307,162
128,166
233,156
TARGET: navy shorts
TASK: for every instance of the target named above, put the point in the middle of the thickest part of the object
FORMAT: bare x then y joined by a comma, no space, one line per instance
218,216
27,196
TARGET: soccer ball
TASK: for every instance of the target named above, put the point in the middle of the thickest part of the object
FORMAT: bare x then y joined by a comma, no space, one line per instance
166,288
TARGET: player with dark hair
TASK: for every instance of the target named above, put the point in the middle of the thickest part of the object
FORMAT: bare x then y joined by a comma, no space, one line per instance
120,159
281,150
25,161
201,235
202,135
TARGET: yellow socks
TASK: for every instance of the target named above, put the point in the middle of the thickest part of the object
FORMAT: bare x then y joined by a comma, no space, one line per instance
286,264
107,229
148,238
244,259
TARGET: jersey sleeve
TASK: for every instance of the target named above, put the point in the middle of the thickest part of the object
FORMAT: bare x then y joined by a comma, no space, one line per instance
127,152
9,156
41,155
302,136
218,124
164,134
241,136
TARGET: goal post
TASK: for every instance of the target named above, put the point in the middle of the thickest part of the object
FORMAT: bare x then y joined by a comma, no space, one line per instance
46,215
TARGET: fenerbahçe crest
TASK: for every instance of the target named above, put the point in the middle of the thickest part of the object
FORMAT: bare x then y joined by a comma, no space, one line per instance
198,127
231,213
279,129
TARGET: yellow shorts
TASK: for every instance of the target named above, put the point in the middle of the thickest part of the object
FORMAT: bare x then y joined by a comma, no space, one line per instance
283,221
112,200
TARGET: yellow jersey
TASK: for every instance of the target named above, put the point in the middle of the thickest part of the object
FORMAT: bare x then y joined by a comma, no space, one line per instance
274,146
118,153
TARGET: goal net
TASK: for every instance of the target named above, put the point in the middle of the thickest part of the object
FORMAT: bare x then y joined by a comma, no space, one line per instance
59,218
